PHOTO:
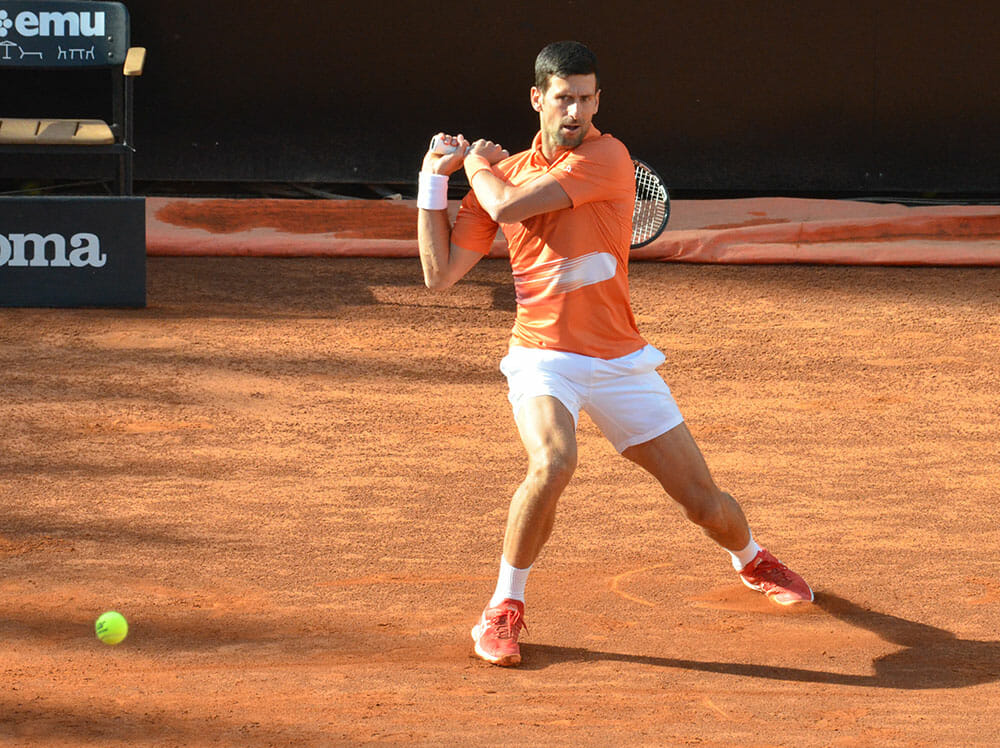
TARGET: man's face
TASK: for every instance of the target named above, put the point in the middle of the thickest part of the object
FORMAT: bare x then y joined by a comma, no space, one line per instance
565,109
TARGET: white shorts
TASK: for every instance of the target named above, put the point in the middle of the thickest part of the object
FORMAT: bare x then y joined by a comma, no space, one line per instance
625,397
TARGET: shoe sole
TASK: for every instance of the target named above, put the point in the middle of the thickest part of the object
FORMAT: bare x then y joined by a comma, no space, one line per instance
775,600
505,661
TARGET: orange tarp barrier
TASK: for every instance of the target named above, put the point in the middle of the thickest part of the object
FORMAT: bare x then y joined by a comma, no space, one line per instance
744,231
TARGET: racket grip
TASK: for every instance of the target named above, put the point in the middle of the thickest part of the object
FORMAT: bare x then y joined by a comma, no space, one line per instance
439,146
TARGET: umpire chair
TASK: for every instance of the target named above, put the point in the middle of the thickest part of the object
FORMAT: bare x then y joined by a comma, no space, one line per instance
71,35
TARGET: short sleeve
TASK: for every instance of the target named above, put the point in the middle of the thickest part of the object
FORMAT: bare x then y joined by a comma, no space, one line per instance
597,170
474,230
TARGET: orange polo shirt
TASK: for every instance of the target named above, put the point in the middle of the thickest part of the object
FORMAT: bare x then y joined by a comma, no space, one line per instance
570,266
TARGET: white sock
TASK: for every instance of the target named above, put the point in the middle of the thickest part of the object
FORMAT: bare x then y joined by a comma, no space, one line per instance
745,556
510,584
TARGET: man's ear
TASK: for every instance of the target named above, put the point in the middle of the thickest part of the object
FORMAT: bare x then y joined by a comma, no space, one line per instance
597,101
536,99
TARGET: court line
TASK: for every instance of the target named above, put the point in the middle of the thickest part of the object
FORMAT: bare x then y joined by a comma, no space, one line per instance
617,580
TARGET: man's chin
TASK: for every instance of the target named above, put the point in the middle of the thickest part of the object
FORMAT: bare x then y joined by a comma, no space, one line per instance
569,140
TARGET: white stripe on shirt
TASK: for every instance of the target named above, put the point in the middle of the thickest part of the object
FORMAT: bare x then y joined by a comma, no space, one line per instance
542,282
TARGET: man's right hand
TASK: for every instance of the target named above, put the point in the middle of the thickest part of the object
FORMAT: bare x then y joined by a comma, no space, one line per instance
445,163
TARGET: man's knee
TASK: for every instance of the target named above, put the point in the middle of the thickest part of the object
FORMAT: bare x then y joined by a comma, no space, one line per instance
707,506
553,468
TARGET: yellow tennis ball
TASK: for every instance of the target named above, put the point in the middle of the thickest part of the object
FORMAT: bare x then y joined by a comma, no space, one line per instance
111,627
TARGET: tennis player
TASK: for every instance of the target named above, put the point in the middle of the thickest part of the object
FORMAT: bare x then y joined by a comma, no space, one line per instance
565,207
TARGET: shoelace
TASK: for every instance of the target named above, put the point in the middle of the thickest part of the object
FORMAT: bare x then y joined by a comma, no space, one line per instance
508,623
772,571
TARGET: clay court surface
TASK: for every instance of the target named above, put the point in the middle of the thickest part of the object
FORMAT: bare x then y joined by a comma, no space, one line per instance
291,475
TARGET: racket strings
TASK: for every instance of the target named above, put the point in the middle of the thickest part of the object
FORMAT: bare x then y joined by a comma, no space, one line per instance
650,205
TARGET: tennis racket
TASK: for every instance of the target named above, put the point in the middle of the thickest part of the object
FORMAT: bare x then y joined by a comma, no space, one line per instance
651,210
652,205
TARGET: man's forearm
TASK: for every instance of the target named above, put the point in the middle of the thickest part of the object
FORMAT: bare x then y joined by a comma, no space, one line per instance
434,240
506,203
490,190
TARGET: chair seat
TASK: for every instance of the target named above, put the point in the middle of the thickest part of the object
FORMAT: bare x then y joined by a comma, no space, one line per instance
55,132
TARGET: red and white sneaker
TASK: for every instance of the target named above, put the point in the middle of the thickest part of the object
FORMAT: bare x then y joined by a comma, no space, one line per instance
496,633
779,583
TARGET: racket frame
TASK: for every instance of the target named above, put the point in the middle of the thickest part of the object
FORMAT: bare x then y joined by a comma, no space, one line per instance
640,167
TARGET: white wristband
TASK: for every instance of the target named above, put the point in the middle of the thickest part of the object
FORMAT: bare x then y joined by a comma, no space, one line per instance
432,193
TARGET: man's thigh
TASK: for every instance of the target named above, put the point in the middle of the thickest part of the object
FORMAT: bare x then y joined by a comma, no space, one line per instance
547,428
675,460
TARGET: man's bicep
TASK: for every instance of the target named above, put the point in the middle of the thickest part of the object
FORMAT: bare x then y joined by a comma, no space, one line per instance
461,261
541,195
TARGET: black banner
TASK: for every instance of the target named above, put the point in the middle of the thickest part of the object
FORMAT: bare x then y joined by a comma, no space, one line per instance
874,97
73,251
70,33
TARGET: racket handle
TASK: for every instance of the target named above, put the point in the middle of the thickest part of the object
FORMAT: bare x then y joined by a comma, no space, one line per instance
439,146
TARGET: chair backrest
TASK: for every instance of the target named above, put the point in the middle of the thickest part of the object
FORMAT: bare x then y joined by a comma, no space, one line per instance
63,33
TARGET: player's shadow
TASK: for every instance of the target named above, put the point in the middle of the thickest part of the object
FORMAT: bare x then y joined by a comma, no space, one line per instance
929,657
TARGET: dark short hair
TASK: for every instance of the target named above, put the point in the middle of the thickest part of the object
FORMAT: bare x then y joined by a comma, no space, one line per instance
564,59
